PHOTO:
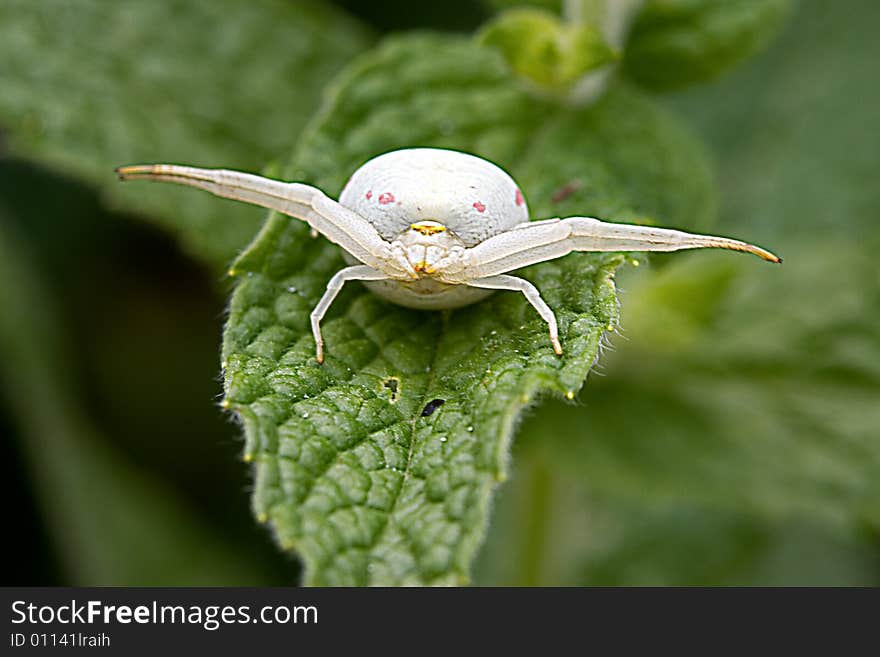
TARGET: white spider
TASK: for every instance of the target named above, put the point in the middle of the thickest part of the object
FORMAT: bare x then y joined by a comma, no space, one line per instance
433,228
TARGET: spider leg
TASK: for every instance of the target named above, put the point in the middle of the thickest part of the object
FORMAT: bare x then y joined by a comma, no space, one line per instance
336,222
532,295
588,234
539,241
355,273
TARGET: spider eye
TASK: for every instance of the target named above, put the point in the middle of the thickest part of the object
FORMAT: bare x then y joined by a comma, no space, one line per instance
428,227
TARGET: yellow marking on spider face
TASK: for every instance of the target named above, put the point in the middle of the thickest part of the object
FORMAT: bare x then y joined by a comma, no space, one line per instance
424,267
428,229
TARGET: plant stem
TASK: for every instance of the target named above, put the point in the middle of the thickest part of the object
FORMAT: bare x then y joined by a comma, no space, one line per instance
538,507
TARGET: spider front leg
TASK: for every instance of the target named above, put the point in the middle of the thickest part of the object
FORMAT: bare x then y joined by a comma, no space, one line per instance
530,292
335,222
355,273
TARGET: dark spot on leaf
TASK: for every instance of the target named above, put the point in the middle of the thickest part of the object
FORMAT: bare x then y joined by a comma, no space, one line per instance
393,384
432,406
566,190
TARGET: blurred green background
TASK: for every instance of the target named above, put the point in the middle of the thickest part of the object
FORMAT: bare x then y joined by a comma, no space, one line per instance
730,435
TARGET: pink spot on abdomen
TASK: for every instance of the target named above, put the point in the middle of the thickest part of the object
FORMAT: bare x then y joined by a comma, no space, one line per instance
369,194
385,198
519,198
479,206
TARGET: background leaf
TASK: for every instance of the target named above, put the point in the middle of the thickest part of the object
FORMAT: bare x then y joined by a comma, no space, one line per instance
355,479
674,43
552,5
544,50
797,152
112,523
749,444
88,86
759,462
806,449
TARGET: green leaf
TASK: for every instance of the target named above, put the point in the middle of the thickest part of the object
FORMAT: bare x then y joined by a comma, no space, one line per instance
111,523
793,129
682,545
349,472
740,450
733,438
91,85
552,528
674,43
794,171
770,407
544,50
552,5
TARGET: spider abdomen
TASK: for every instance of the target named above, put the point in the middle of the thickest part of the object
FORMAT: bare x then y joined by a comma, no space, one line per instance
473,198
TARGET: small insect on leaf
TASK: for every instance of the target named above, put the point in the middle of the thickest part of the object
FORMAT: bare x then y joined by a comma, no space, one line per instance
432,406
